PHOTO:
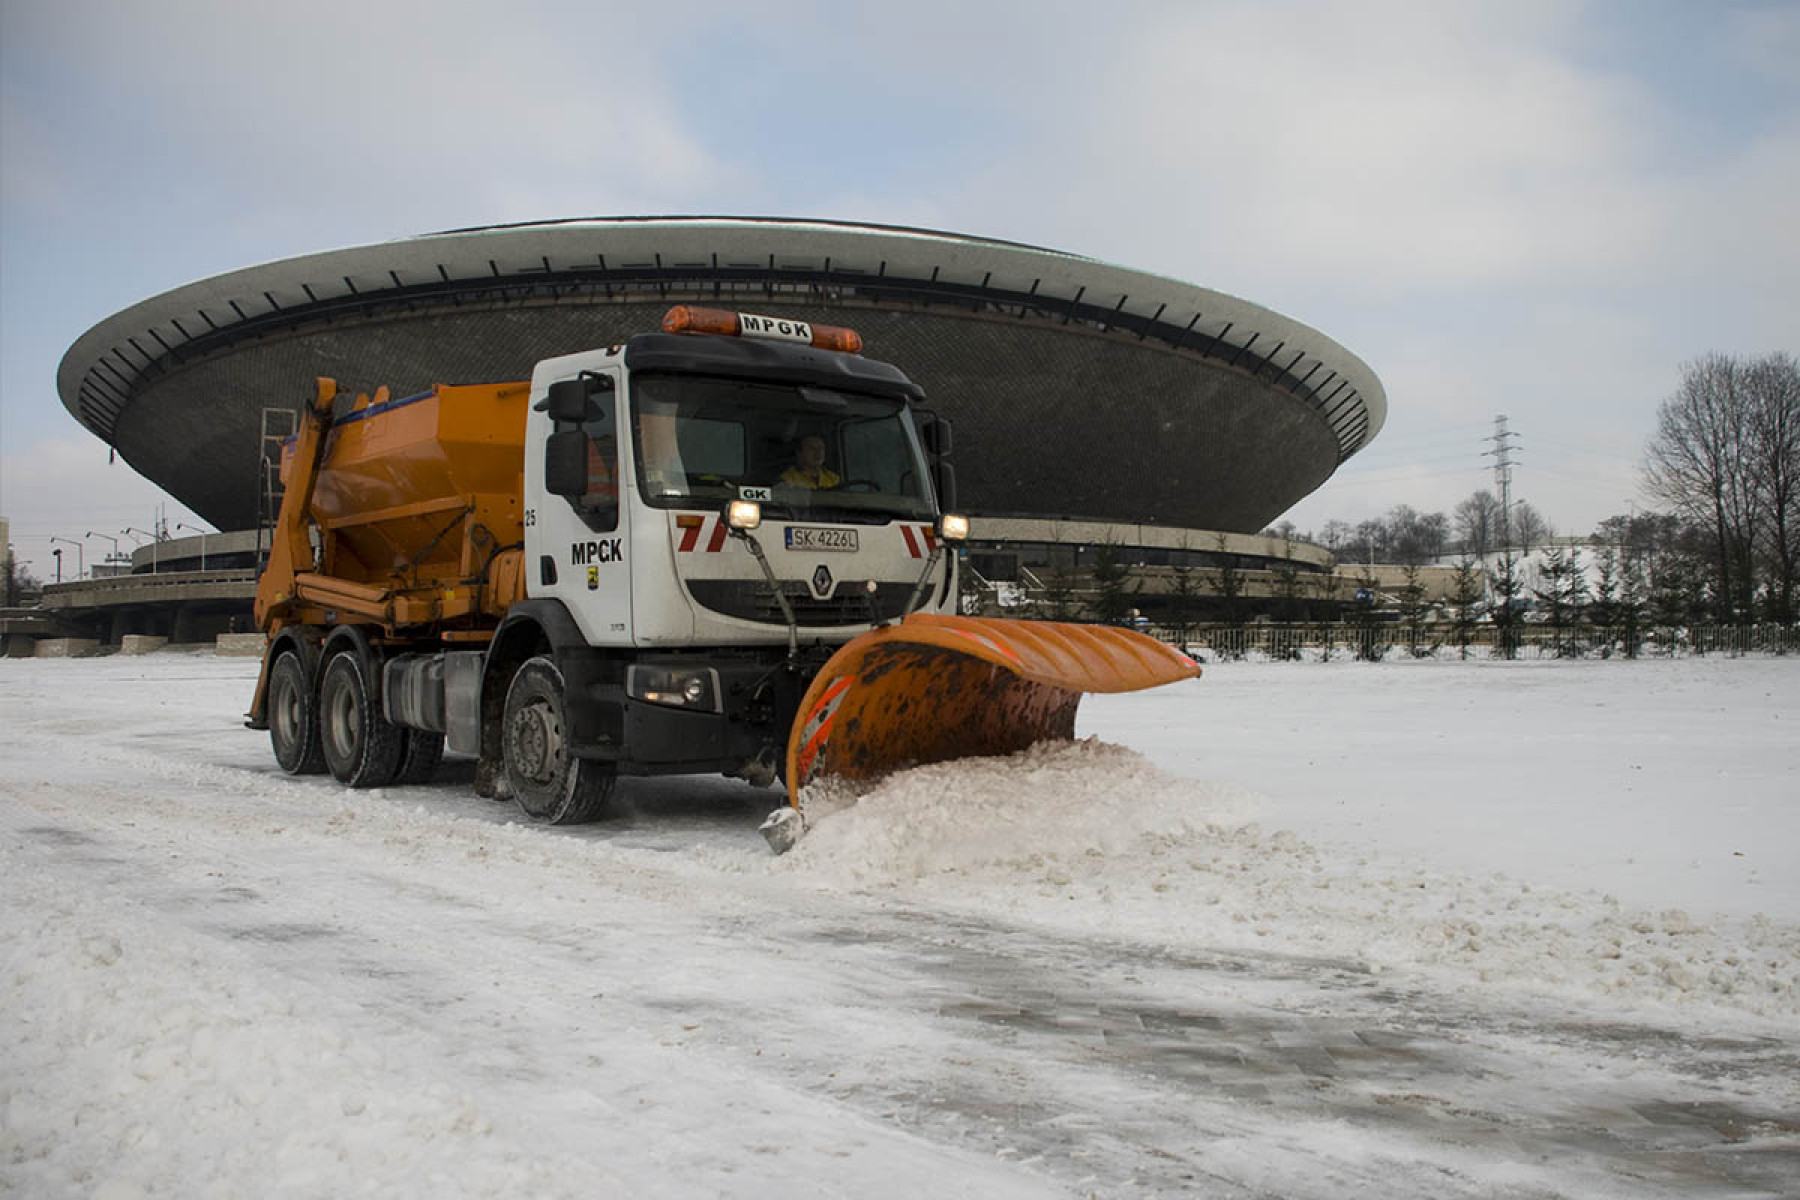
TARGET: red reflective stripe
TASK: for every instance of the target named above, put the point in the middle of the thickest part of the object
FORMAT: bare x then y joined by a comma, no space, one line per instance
717,542
690,537
823,713
912,545
930,536
810,752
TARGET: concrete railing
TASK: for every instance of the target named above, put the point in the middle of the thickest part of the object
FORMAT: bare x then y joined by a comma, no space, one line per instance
136,589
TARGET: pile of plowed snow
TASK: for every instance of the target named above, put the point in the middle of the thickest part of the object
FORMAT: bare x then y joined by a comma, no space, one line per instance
1093,835
1008,816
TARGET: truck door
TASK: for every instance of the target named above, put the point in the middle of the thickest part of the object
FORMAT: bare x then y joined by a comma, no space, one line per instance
575,546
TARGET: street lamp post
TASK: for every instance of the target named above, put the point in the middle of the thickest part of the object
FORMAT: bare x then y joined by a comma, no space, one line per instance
132,529
80,558
202,533
109,537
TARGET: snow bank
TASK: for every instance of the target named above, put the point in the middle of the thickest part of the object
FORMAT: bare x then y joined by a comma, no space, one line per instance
1006,816
1094,836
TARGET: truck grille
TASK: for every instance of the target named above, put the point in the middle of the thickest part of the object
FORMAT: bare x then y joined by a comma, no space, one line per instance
754,600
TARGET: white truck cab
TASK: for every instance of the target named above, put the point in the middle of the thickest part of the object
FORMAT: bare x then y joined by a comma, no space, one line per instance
716,508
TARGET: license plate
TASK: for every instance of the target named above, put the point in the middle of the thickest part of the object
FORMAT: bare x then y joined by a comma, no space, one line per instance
801,538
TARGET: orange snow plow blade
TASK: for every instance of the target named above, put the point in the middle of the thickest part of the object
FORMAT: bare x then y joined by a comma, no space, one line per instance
933,688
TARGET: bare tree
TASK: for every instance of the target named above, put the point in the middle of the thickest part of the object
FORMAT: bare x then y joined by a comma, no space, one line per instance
1699,462
1284,531
1415,538
18,586
1528,526
1336,536
1477,522
1773,387
1369,542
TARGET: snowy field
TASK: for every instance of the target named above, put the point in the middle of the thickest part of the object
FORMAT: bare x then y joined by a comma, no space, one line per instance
1411,929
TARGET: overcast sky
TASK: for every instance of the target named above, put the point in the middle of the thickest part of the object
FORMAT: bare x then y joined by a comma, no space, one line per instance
1537,209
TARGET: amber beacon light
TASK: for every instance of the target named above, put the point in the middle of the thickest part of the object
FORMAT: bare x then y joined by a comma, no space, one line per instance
688,318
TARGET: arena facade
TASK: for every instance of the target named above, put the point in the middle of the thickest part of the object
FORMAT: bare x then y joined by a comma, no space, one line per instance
1119,404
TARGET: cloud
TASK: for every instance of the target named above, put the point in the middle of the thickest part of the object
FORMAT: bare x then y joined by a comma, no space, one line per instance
290,121
1764,39
1403,146
1539,208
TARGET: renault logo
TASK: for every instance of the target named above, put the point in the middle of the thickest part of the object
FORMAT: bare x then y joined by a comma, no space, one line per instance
821,581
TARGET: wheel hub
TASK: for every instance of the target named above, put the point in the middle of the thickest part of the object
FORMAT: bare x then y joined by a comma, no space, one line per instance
537,743
341,722
287,714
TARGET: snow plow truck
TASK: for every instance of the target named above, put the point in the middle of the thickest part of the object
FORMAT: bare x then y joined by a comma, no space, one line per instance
726,546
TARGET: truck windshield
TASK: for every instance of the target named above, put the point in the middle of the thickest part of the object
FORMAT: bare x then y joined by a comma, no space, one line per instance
806,452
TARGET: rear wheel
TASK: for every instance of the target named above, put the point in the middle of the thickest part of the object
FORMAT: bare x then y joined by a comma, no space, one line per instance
361,746
294,718
548,782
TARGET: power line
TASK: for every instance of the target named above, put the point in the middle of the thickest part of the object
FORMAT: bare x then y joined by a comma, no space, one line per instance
1425,435
1431,430
1401,466
1406,445
1401,479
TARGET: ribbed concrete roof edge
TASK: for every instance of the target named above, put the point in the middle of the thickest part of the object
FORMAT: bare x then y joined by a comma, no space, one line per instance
122,346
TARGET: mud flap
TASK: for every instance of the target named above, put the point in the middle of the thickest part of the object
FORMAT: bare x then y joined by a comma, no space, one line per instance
933,688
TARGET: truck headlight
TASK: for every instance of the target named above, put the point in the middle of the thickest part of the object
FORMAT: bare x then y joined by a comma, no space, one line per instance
695,688
953,528
743,514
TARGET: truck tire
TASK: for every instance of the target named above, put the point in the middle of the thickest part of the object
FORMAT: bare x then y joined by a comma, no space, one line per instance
420,757
362,747
293,710
547,782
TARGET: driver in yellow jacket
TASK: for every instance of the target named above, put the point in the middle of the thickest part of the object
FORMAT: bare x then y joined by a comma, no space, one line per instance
809,469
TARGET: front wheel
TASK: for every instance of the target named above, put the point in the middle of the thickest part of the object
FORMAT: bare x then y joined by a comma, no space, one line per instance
548,782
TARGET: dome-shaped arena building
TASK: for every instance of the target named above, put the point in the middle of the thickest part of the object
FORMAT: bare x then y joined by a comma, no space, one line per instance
1091,402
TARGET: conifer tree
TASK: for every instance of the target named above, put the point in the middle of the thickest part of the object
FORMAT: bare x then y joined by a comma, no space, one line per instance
1465,590
1113,586
1505,587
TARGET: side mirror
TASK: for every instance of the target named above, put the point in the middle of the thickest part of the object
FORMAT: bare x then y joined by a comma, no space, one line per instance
944,477
565,460
936,434
567,401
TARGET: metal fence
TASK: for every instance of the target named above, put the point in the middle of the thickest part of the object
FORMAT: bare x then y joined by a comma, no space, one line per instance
1376,642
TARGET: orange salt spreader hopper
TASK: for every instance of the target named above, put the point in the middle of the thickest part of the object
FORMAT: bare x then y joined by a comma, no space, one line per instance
934,687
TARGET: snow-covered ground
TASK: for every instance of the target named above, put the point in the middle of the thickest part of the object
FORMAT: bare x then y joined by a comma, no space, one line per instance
1428,929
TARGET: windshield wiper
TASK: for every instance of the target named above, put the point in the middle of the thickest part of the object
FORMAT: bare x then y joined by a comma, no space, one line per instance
859,515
